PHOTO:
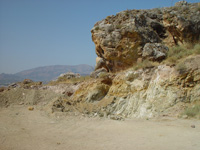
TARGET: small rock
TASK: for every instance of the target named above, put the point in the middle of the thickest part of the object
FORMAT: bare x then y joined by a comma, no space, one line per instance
192,126
184,116
27,81
21,103
114,117
31,108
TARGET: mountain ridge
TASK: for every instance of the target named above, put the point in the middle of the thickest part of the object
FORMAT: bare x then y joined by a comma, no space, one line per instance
44,73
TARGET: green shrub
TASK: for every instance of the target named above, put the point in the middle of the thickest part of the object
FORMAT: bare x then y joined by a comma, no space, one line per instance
177,52
181,67
96,28
197,49
193,112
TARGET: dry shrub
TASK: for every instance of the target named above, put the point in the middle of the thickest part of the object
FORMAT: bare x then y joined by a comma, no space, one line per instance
178,52
193,112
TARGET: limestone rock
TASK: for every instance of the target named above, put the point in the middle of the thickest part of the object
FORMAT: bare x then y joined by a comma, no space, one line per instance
95,74
145,93
98,93
69,75
155,51
119,39
181,3
30,108
100,63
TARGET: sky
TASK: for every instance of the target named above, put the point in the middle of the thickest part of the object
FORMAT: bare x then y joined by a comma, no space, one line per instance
36,33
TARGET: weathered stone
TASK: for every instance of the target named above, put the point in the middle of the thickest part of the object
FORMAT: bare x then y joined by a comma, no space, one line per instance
13,85
119,38
95,74
145,93
155,51
30,108
181,3
100,63
69,75
97,93
185,116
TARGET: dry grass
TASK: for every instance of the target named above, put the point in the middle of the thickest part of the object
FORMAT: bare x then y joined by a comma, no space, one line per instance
181,67
193,112
145,64
178,52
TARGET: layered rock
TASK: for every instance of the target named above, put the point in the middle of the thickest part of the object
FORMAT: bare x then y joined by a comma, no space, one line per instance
120,40
144,93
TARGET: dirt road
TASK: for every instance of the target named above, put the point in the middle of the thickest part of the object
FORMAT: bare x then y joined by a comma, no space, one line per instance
21,129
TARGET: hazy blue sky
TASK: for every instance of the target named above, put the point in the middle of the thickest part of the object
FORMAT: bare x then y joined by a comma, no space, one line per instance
37,33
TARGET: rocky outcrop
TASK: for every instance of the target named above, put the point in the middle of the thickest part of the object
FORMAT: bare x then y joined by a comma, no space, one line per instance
155,51
69,75
144,93
122,39
96,73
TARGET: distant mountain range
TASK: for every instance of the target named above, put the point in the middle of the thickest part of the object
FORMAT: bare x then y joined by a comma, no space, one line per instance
46,73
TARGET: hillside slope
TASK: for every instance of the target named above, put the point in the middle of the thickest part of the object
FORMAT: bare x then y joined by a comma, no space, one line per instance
48,73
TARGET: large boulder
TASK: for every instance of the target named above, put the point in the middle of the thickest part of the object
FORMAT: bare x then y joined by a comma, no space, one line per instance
120,39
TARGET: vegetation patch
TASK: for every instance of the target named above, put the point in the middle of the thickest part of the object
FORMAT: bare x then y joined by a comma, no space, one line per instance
181,67
178,52
96,28
193,112
145,64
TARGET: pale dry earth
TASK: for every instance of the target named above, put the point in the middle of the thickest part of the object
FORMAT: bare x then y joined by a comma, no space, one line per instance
21,129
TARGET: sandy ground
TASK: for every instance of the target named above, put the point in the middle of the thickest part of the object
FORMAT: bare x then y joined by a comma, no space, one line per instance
21,129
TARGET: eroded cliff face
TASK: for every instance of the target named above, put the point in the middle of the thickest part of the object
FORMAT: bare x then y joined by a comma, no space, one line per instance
121,40
145,93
